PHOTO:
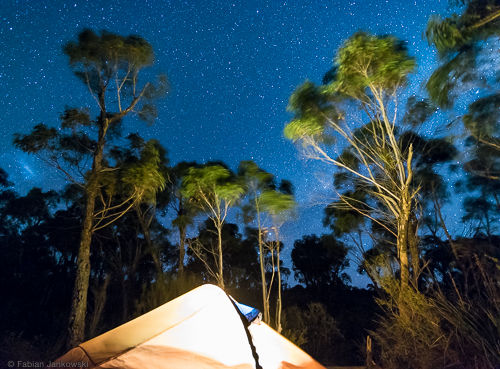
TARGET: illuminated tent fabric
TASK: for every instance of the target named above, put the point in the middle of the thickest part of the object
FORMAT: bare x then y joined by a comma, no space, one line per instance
201,330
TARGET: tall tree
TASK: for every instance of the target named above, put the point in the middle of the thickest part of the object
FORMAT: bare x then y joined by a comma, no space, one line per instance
109,65
214,190
240,257
256,181
133,155
279,204
185,211
368,74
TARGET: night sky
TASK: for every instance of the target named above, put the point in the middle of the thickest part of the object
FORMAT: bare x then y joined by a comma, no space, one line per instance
232,67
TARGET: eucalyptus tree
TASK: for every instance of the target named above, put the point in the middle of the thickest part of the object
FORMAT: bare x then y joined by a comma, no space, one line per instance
136,154
184,210
267,205
432,156
213,189
256,181
110,66
356,113
279,204
240,257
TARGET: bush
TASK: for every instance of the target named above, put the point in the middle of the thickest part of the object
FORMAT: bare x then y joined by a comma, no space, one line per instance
455,328
312,329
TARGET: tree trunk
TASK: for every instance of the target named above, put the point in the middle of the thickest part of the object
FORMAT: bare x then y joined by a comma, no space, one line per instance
124,299
220,277
278,302
153,251
413,247
182,249
76,325
402,244
402,248
100,296
265,302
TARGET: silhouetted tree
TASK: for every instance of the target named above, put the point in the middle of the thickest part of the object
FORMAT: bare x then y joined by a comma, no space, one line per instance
214,190
368,73
320,262
109,65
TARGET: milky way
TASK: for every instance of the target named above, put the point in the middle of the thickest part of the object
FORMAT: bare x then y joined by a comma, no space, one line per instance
232,67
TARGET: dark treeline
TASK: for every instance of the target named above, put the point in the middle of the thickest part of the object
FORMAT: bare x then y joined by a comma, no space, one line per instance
135,268
130,231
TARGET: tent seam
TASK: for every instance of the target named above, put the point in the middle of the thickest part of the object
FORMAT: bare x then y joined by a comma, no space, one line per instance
243,319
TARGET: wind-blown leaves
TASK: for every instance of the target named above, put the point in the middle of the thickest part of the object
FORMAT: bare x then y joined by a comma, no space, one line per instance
418,111
459,40
145,176
483,118
93,49
213,181
40,138
366,60
311,107
276,203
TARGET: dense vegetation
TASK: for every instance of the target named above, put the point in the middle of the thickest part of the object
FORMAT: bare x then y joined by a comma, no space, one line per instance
130,231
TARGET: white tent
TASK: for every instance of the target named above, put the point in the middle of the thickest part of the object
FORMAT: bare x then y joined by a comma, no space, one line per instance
201,329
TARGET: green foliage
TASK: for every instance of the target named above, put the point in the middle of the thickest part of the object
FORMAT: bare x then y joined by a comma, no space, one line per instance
255,180
443,84
213,182
253,176
144,176
276,203
479,21
73,117
96,49
107,62
371,62
41,138
374,173
96,58
444,33
365,65
459,40
483,117
310,106
418,111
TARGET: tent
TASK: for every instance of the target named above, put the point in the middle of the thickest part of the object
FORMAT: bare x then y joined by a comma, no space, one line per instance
201,329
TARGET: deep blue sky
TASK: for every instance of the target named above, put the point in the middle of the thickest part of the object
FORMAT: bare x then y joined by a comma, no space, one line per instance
232,67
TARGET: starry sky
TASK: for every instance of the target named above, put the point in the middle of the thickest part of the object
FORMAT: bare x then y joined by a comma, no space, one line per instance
232,67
